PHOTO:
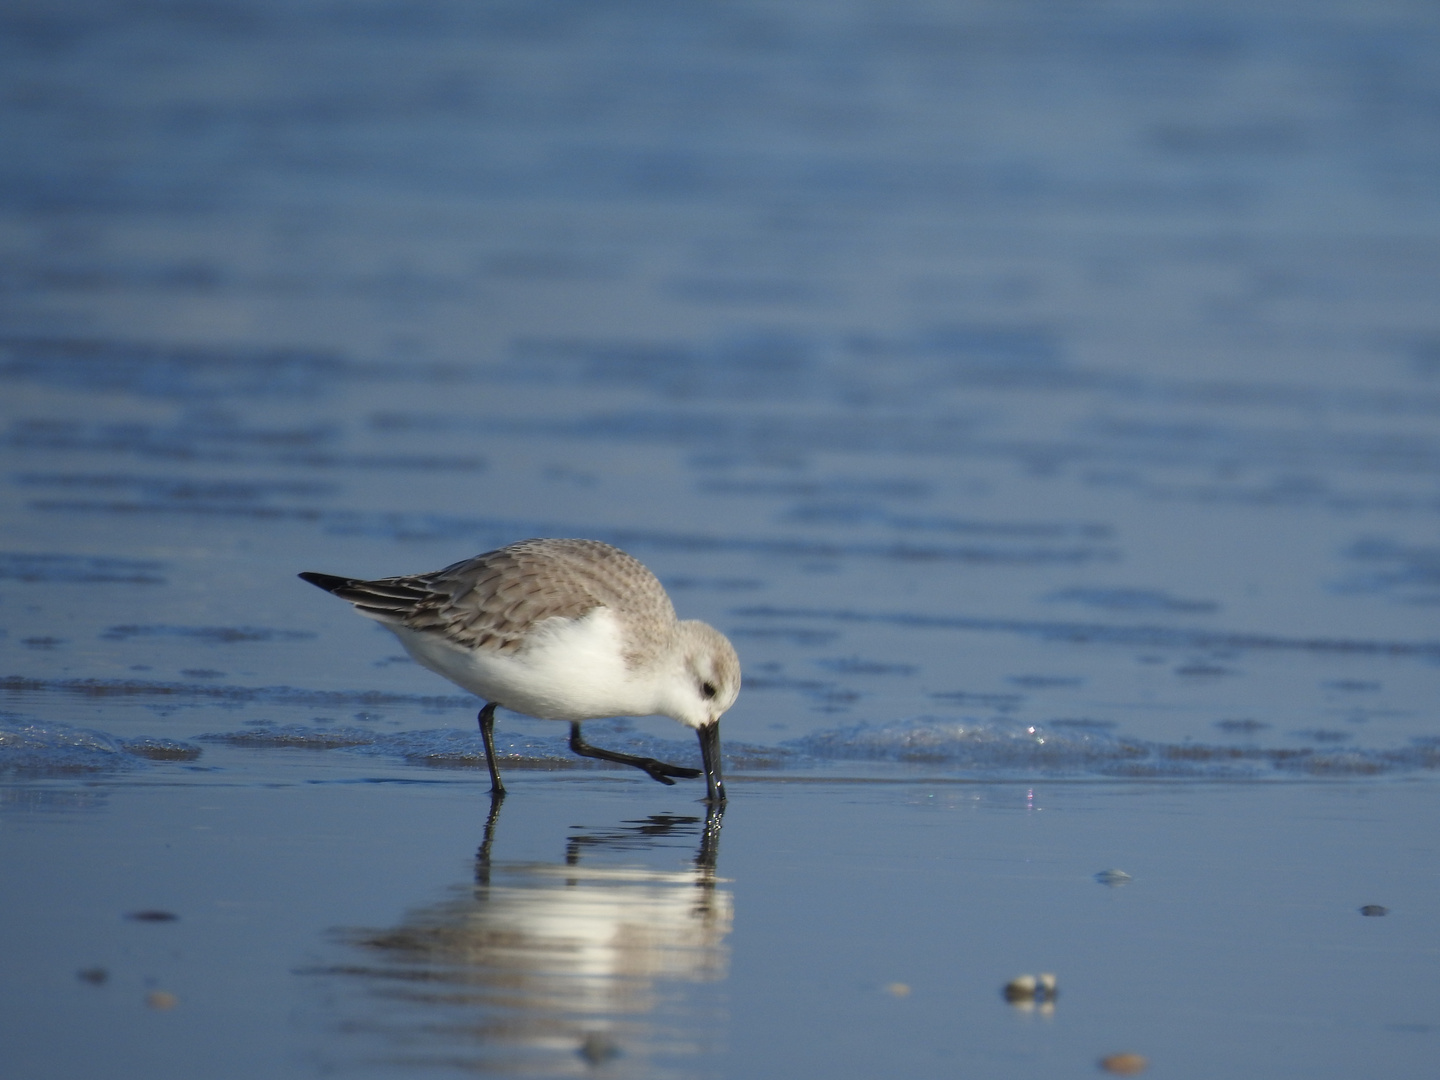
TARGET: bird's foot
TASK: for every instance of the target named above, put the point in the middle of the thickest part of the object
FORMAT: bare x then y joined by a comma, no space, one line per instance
659,770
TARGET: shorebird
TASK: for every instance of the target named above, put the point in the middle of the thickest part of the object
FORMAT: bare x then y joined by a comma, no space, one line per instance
569,630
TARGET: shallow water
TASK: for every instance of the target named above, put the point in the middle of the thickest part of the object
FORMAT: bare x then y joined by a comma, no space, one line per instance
1042,399
374,923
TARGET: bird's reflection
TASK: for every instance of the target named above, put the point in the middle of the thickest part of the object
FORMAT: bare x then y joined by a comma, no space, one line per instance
556,968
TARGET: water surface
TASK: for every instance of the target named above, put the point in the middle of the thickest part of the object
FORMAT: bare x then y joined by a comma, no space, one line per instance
1043,400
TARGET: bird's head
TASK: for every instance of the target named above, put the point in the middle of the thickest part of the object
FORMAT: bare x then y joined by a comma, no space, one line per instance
708,679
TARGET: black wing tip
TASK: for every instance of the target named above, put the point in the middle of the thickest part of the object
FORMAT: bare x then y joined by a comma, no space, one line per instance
329,582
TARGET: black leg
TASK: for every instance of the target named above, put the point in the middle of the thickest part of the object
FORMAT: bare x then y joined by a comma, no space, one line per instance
487,736
710,755
657,770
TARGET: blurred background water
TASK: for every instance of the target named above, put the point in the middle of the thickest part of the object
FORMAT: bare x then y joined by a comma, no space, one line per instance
1030,390
978,368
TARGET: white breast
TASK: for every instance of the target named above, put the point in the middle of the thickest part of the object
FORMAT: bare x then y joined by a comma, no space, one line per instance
566,669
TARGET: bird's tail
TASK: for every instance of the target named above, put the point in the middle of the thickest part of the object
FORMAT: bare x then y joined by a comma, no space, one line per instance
329,582
387,599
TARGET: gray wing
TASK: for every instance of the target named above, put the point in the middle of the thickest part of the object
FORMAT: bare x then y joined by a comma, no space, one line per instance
493,600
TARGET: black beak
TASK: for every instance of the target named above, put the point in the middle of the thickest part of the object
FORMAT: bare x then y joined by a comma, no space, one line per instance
710,755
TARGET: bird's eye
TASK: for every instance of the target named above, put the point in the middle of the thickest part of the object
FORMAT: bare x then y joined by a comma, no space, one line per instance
708,689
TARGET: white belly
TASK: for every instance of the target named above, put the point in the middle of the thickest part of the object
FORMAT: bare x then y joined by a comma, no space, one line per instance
568,669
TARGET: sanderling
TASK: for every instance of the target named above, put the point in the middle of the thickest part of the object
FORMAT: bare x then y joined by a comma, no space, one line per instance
561,630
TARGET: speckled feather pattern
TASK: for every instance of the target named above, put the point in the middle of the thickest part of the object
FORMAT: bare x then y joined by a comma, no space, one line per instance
492,601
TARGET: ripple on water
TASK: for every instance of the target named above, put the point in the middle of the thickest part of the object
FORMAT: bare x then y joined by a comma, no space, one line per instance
1160,637
209,635
51,749
925,746
51,569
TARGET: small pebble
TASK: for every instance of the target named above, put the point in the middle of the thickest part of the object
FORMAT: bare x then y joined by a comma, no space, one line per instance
898,989
159,999
96,976
1020,988
1374,909
1031,988
598,1049
1113,878
152,915
1124,1064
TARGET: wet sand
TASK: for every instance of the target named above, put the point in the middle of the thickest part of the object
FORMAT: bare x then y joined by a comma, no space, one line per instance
340,920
